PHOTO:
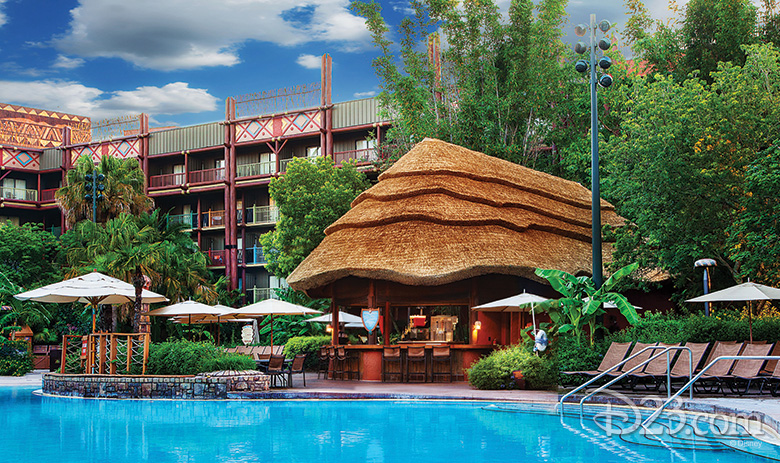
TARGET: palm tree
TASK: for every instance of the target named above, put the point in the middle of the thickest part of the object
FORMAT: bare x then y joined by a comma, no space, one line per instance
124,190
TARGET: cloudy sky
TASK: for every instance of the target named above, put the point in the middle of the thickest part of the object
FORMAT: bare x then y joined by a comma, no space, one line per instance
178,60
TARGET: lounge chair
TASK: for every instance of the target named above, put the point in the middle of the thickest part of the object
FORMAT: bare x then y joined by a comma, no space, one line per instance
710,381
644,356
746,371
655,370
681,369
615,354
297,366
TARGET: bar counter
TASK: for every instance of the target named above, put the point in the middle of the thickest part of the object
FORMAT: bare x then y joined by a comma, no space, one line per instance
369,358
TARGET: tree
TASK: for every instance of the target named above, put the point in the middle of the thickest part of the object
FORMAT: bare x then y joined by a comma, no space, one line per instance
124,190
129,247
677,170
503,87
582,303
310,197
27,253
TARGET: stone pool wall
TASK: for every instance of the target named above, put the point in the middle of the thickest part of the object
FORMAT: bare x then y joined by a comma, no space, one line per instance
154,387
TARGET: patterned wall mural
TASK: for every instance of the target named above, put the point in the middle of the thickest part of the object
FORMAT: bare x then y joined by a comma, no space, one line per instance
19,159
39,128
279,126
120,148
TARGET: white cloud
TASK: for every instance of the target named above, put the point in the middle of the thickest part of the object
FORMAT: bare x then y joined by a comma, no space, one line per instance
364,94
3,18
75,98
309,61
179,34
64,62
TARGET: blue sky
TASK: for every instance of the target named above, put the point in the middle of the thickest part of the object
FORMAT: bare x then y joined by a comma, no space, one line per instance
178,60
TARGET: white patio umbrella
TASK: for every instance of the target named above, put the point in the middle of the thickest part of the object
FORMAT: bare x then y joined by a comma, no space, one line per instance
189,309
742,292
272,307
518,303
344,317
93,288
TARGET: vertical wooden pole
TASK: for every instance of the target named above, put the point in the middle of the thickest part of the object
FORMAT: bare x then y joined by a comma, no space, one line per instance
144,149
129,352
64,354
334,333
112,363
146,352
387,324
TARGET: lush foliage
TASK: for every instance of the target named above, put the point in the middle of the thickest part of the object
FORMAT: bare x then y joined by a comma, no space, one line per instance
27,254
123,193
582,303
15,360
128,247
309,345
189,358
33,314
310,197
502,85
495,370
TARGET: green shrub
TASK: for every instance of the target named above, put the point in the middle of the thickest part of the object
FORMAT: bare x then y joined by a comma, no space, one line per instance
15,359
306,345
495,370
189,358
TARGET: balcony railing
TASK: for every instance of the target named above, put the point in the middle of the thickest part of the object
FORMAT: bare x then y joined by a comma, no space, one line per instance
212,219
260,294
254,256
284,162
256,169
188,220
48,195
216,258
207,175
21,194
157,181
364,155
261,215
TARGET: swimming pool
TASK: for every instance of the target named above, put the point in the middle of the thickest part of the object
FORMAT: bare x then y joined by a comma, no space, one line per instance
45,429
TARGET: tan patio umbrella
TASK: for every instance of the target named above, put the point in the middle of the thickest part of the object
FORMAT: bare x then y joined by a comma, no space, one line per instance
93,288
188,309
272,307
742,292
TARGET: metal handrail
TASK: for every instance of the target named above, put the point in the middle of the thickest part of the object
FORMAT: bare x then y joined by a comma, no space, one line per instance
689,384
666,350
592,380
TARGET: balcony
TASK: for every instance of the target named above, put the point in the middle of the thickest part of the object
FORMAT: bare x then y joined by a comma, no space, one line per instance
216,258
48,195
284,162
212,219
260,294
262,215
257,169
254,256
207,175
22,194
364,155
158,181
188,220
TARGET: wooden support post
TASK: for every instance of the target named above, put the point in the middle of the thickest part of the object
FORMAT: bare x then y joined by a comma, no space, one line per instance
387,325
146,352
130,352
64,354
102,354
334,333
112,355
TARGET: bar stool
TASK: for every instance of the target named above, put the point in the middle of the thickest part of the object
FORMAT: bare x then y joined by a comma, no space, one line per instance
336,366
416,356
391,356
441,357
347,363
324,362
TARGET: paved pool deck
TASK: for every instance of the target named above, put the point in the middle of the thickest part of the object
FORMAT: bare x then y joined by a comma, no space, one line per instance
336,389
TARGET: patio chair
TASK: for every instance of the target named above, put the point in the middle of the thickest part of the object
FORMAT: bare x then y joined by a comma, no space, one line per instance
746,371
297,366
276,371
244,350
324,362
615,354
680,369
655,369
710,381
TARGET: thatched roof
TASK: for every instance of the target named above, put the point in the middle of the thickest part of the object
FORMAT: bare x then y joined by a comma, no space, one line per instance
444,213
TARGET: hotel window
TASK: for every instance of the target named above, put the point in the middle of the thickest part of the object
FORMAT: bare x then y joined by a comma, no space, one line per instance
312,151
366,149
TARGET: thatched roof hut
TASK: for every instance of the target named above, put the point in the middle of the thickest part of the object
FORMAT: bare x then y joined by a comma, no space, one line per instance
444,214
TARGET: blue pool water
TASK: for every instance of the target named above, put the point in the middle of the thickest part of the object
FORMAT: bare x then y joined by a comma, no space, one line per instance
44,429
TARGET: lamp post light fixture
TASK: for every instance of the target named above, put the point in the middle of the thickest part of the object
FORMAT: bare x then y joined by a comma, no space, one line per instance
605,80
95,188
706,264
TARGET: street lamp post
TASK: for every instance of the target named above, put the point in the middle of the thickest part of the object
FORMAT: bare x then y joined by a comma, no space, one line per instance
706,264
95,190
605,81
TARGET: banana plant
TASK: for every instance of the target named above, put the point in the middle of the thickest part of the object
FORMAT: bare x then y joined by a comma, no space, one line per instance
582,302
